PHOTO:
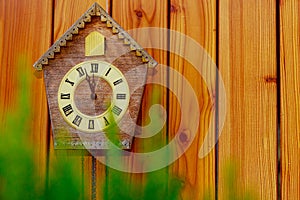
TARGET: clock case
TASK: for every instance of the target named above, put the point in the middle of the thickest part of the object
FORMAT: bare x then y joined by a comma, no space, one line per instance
121,50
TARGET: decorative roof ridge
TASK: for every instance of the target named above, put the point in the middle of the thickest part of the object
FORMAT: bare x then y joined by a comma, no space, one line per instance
95,10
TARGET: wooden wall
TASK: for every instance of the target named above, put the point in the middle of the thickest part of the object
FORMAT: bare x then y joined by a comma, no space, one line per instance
255,45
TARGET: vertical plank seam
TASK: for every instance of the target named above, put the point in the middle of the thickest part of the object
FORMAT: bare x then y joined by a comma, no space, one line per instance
278,59
110,11
168,85
48,145
53,21
168,64
217,104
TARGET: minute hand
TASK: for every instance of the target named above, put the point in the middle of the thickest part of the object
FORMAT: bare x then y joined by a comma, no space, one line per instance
91,83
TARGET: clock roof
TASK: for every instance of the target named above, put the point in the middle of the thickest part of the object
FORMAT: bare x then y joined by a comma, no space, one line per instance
95,10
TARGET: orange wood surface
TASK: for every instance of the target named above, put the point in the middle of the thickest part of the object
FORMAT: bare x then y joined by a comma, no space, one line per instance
132,16
239,35
290,98
247,62
197,20
31,20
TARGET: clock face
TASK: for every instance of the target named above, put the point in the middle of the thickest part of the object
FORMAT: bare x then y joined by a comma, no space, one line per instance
93,96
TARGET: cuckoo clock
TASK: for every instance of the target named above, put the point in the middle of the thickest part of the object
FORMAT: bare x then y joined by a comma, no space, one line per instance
90,75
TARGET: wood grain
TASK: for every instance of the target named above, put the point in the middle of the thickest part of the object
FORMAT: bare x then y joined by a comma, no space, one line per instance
139,14
290,98
31,20
65,14
196,20
69,11
133,15
247,61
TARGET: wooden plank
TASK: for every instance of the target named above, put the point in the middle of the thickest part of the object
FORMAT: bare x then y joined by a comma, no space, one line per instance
69,11
28,19
65,14
247,62
134,15
197,21
290,99
139,14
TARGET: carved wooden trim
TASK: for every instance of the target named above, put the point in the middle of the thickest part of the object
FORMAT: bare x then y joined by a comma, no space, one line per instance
95,10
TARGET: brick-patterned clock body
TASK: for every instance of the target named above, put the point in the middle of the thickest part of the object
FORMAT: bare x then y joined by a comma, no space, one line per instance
122,52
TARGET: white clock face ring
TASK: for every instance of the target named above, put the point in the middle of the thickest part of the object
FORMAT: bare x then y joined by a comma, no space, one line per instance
85,86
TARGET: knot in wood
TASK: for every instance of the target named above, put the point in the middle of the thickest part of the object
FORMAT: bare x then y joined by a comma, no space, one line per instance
269,79
173,9
184,136
139,13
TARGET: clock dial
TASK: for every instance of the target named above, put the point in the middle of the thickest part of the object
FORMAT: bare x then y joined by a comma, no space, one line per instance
92,96
96,102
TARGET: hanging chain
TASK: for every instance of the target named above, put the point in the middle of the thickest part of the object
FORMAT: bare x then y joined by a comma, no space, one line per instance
94,175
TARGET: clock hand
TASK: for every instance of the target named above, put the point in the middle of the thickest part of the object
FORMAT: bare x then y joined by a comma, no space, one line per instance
92,85
88,79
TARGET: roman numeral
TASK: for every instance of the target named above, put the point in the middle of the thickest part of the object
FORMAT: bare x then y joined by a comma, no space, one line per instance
95,68
67,110
118,82
80,71
108,72
70,82
65,96
116,110
106,121
77,120
121,96
91,124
